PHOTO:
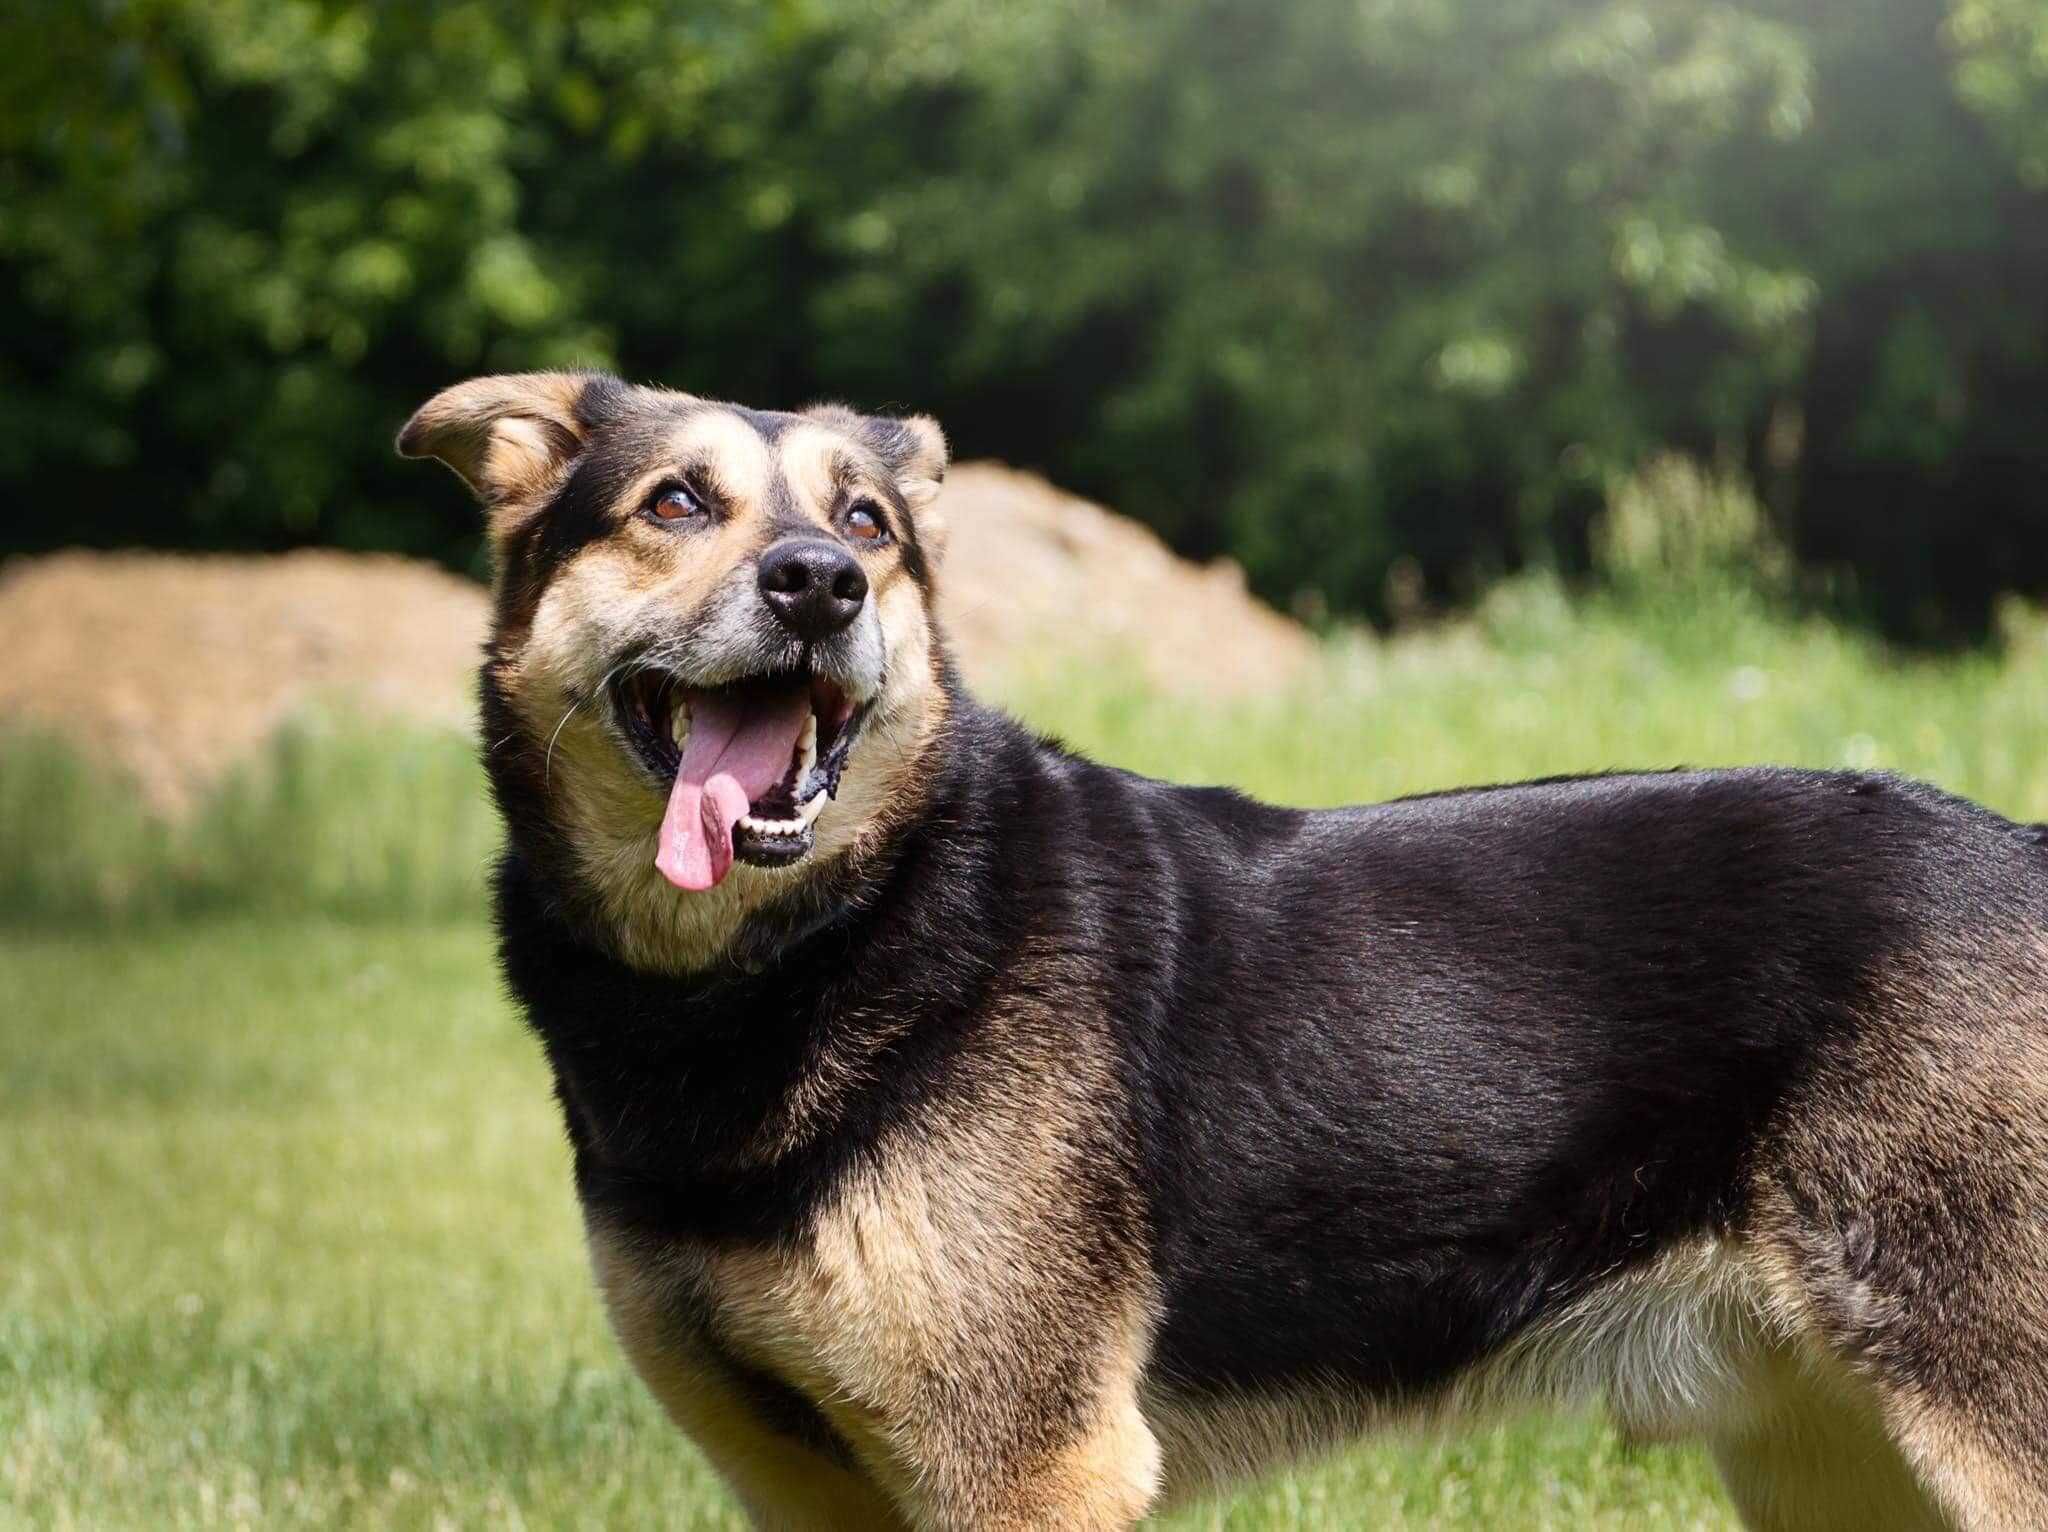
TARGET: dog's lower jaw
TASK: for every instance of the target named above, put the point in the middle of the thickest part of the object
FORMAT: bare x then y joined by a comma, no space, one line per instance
755,912
651,926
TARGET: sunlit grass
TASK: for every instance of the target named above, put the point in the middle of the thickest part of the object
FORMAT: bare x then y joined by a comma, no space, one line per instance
348,817
1536,686
341,815
288,1239
287,1234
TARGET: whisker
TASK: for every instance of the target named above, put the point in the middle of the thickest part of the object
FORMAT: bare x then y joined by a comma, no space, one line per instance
547,764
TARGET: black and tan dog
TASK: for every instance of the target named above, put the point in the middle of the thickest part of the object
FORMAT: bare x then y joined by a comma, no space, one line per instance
971,1136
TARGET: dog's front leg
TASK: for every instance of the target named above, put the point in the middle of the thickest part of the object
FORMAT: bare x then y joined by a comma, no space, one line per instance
973,1316
990,1402
969,1454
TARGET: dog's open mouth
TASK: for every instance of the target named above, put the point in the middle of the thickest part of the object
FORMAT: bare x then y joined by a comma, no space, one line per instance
749,765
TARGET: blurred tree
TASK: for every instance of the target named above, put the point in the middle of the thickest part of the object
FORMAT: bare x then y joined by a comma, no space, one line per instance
243,237
1339,287
1325,284
1923,458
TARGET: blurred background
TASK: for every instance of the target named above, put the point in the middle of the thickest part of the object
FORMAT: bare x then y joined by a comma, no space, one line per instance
1355,397
1377,297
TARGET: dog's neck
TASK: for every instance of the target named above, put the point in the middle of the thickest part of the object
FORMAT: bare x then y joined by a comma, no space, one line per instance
672,1079
590,857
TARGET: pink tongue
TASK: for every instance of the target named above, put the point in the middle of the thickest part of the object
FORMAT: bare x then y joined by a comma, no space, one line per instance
739,748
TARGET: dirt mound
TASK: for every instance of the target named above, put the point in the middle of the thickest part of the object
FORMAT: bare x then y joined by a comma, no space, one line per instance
175,667
1034,574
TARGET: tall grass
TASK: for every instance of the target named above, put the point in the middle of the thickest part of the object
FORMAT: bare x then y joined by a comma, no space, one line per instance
340,815
345,816
1536,684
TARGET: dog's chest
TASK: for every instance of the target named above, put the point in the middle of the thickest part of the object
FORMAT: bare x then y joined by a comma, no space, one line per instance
725,1335
834,1314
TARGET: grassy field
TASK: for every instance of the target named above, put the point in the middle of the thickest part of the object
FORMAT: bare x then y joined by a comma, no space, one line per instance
288,1238
286,1234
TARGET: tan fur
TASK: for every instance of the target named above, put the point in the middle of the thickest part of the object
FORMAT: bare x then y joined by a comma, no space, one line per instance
1665,1347
917,1265
1815,1455
936,1303
745,465
1713,1341
913,1314
1669,1349
1979,1486
920,481
1926,1145
921,474
614,817
816,461
640,580
782,1484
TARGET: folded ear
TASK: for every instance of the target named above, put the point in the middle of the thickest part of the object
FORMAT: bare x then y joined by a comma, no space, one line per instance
915,449
507,436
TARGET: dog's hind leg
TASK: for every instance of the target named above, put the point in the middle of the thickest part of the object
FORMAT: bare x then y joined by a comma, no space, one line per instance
1829,1452
1901,1213
1987,1475
1817,1456
1839,1441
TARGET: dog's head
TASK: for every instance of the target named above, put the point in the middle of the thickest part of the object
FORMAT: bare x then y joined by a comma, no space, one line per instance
713,668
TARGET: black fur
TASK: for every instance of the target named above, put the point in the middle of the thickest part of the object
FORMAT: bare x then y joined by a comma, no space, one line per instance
1396,1080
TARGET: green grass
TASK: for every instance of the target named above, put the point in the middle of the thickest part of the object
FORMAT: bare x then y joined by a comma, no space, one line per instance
349,817
286,1235
1535,685
341,816
288,1239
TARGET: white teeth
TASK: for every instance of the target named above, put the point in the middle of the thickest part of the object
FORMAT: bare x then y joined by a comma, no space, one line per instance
679,726
773,826
806,758
805,818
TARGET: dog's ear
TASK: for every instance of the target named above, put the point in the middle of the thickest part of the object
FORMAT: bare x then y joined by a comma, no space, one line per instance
915,449
509,436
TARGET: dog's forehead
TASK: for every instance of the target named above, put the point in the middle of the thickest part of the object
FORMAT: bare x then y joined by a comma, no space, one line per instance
757,457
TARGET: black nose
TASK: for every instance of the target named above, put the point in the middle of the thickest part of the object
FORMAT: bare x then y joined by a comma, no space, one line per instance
815,588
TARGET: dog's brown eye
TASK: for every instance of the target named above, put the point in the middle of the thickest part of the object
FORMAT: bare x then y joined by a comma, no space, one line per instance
674,503
863,523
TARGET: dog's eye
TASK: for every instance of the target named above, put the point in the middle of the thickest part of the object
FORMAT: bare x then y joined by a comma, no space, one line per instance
674,504
863,523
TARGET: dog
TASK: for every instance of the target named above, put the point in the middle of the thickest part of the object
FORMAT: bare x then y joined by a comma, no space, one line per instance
972,1136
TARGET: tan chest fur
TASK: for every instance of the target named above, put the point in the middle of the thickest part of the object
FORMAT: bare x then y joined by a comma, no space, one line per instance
948,1309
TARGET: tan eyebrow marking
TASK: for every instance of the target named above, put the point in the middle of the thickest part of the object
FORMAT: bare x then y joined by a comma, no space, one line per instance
732,453
817,463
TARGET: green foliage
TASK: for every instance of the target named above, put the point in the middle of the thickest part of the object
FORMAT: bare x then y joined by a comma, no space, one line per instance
1674,529
2001,49
1350,282
1337,288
